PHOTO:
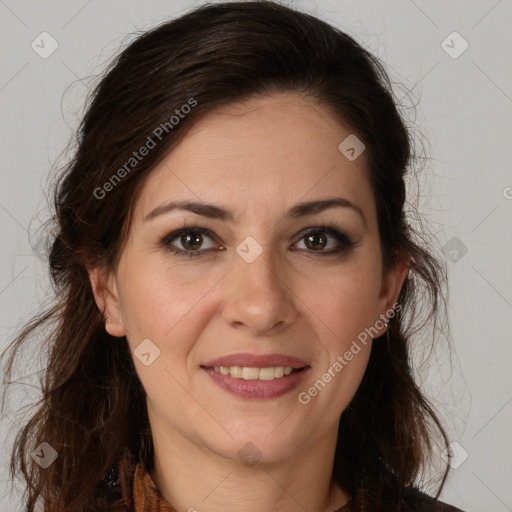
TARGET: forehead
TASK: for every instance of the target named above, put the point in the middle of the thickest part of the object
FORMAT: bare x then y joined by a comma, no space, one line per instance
264,154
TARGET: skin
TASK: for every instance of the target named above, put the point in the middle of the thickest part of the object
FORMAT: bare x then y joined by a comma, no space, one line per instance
256,159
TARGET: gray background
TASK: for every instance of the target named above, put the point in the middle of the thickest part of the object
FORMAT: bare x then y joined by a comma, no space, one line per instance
464,109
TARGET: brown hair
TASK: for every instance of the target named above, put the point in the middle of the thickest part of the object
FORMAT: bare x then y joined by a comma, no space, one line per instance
93,405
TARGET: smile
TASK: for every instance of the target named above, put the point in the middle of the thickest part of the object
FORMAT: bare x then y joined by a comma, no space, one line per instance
252,383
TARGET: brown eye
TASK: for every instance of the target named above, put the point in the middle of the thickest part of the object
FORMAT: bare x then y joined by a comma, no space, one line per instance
192,241
189,241
324,241
316,241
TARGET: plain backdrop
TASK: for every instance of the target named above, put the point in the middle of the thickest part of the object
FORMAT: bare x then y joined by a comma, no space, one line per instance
454,59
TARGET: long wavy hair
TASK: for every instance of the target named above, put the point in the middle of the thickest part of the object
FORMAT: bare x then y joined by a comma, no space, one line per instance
93,407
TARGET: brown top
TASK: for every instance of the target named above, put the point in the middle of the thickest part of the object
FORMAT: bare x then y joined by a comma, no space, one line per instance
146,496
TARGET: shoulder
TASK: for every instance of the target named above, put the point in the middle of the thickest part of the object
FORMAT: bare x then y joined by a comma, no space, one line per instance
413,500
385,494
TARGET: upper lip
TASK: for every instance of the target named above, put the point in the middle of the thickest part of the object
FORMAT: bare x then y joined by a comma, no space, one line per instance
257,361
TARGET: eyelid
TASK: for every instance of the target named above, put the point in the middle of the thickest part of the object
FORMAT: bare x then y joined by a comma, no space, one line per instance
167,239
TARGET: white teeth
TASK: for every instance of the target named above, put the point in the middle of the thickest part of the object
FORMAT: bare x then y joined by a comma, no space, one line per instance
252,373
279,371
236,371
266,373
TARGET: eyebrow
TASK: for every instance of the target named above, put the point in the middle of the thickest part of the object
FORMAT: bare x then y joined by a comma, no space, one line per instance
215,212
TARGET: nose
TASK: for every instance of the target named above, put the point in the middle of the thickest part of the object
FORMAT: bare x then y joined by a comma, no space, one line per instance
258,296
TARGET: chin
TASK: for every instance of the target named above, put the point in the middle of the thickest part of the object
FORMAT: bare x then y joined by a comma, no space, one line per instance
250,445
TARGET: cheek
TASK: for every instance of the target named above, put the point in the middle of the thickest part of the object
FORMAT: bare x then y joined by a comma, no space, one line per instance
343,309
344,304
171,309
346,299
165,305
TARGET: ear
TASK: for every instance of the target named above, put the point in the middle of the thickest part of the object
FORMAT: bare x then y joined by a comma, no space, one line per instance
105,293
392,282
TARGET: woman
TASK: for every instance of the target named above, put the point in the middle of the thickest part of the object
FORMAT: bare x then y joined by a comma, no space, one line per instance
237,283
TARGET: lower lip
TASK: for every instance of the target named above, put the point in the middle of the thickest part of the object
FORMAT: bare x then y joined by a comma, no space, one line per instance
257,389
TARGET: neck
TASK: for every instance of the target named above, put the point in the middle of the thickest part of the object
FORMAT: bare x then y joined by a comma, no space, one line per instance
192,477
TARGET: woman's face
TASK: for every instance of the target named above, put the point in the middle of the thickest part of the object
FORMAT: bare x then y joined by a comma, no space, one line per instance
273,278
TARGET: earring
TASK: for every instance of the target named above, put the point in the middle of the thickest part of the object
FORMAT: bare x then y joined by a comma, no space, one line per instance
386,323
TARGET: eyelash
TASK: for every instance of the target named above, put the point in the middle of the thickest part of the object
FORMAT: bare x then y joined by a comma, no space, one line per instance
330,229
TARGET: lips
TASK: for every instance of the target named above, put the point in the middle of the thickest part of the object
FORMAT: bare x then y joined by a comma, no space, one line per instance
255,361
257,389
248,386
